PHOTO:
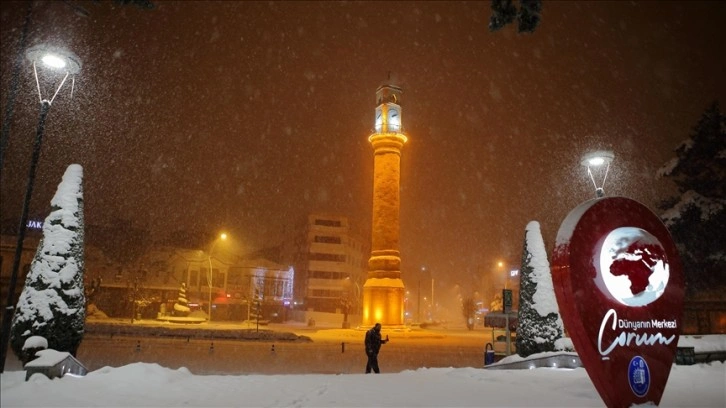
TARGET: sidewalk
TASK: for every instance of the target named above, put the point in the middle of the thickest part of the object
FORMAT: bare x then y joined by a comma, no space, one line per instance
289,331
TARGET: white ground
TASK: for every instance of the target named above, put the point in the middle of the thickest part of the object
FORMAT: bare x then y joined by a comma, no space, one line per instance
151,385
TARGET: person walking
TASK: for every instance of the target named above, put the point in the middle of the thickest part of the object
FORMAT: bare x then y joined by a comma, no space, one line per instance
373,346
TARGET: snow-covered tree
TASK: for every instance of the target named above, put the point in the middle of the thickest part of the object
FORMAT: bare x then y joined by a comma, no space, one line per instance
698,214
497,304
52,303
468,309
505,12
139,296
540,325
181,307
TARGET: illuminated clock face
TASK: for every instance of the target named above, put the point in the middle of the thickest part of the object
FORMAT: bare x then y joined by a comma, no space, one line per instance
394,120
379,120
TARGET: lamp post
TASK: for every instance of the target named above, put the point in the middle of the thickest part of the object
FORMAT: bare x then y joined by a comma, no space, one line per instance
423,270
418,317
222,237
598,160
500,265
346,301
433,305
54,59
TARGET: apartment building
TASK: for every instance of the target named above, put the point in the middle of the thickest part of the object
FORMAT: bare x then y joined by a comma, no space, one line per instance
330,261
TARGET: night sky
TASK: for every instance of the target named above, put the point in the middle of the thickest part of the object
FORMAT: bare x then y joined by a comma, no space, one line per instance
246,116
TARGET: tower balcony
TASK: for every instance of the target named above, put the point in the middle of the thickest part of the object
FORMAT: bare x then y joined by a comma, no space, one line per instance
388,140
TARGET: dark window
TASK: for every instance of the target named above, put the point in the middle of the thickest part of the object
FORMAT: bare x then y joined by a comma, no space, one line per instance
217,278
326,293
328,275
238,277
328,223
327,240
314,256
194,279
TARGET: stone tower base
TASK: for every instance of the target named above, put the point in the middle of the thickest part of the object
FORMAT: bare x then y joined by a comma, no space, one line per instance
383,302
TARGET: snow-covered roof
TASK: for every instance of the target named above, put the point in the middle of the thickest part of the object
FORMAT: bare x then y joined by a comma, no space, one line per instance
49,358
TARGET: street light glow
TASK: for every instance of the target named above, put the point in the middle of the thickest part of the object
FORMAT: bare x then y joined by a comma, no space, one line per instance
55,57
223,237
53,61
598,159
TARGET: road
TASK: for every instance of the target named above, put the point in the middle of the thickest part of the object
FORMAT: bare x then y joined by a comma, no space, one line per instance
330,352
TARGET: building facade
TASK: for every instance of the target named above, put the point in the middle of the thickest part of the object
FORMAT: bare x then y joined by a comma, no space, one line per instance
236,287
329,261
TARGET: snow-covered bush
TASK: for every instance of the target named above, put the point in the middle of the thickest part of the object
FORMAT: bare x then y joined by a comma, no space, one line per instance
181,307
32,345
52,303
540,325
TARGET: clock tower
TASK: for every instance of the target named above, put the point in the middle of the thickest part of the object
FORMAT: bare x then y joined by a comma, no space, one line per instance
383,292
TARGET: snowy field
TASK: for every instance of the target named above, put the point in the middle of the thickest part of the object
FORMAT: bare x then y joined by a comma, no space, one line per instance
150,385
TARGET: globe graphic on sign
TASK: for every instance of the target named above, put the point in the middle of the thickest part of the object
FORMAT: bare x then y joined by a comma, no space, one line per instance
633,267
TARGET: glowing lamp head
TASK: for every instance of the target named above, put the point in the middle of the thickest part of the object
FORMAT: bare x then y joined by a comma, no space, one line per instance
53,61
223,236
596,161
598,158
55,58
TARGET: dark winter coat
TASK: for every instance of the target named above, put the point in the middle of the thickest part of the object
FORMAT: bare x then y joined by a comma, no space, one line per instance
373,341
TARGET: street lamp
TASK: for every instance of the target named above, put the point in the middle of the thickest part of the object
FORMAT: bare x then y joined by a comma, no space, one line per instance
222,237
423,271
54,60
598,160
500,265
346,301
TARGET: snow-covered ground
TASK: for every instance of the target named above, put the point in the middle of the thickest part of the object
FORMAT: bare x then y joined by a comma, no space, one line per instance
150,385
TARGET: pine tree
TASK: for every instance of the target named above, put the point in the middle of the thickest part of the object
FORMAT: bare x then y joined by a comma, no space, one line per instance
256,309
540,325
52,304
505,12
698,213
181,307
468,309
529,15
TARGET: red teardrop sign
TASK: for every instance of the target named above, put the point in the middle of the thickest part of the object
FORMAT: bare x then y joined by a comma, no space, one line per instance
619,287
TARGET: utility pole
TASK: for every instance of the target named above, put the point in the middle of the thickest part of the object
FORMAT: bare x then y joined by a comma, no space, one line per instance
433,305
419,301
